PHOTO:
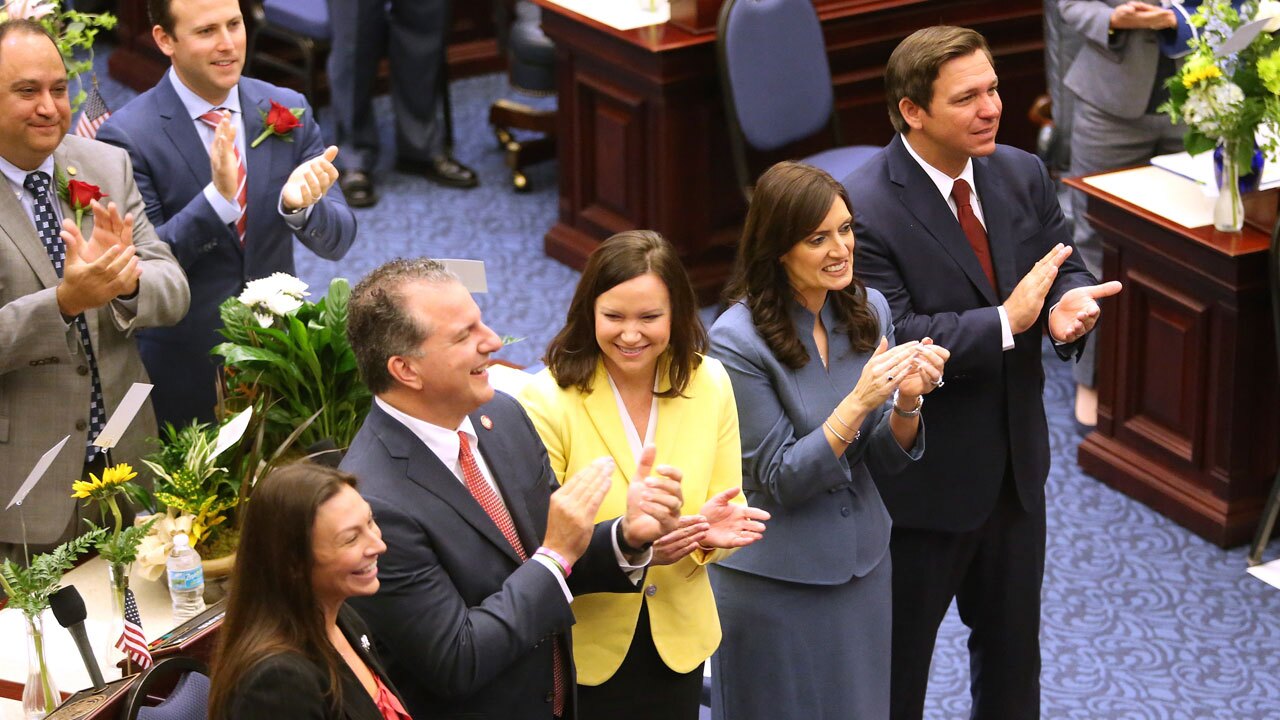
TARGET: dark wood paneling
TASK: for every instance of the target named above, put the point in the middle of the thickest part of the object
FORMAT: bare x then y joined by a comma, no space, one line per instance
1188,398
683,166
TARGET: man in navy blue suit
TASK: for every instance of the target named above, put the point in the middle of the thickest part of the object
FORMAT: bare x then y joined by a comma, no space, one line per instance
484,553
967,242
227,199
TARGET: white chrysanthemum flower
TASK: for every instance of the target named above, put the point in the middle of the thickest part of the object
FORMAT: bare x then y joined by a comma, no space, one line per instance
1269,10
276,295
283,304
29,9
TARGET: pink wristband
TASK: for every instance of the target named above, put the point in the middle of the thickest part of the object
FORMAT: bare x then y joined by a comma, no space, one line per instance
556,558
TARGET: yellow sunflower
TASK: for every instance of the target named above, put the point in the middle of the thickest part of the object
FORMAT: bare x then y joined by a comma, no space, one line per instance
112,479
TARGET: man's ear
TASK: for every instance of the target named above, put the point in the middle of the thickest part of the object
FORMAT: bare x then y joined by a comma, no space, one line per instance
912,113
163,40
403,373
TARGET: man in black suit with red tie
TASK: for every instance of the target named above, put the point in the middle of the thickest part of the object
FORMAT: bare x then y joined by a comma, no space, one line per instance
966,240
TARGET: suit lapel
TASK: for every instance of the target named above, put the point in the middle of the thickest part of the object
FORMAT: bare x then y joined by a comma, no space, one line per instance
602,409
516,506
921,197
16,223
258,166
427,471
63,159
991,192
669,418
358,705
181,131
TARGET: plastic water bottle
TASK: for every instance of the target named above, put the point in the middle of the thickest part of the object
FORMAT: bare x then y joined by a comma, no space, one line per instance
186,580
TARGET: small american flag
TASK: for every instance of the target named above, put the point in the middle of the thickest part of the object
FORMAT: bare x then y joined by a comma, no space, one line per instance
132,641
93,113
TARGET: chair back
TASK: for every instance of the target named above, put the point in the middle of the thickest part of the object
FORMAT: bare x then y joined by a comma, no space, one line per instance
774,71
189,699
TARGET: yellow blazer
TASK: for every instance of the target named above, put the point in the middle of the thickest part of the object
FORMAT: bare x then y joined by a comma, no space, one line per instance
697,433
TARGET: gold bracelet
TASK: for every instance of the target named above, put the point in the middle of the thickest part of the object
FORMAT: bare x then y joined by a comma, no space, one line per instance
846,425
842,438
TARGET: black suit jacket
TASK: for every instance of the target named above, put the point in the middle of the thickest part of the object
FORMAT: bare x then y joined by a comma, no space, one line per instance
290,685
990,413
466,628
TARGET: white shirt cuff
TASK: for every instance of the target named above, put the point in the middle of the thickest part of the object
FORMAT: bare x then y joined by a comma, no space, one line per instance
635,573
295,220
564,586
1006,333
227,211
1055,340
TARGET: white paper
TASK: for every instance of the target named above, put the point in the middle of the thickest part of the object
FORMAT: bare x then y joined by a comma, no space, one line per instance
231,433
1200,169
1161,192
620,14
470,273
1241,38
1268,573
123,416
37,472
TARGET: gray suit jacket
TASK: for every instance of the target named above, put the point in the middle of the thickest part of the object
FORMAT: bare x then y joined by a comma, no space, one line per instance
829,524
44,378
1114,71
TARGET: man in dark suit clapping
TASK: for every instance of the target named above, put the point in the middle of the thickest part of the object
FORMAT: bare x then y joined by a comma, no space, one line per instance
484,553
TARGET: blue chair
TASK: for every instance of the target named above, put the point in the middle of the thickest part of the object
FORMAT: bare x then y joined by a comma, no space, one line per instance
189,699
302,24
777,84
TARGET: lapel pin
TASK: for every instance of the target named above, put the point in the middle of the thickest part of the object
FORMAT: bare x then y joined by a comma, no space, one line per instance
486,422
71,170
364,642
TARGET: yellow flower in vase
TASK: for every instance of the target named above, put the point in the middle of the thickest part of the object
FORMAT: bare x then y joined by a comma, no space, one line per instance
102,489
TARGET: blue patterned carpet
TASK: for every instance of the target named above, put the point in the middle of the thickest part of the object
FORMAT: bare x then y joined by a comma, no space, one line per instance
1142,620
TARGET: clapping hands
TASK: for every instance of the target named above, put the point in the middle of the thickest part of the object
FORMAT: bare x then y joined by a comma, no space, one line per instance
102,268
309,182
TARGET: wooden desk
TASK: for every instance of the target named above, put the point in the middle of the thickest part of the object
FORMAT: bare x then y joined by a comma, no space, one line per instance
1188,409
643,138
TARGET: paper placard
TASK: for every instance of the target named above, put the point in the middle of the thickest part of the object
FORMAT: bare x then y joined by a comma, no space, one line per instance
124,415
1241,38
231,433
1268,573
621,14
470,273
37,472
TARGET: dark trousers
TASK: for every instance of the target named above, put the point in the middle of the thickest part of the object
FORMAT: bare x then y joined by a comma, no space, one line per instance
994,573
644,688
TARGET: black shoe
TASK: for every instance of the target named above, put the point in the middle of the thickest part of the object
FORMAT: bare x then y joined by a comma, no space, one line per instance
442,170
357,186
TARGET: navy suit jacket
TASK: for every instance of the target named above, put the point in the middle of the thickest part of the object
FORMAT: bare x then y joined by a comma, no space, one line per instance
464,625
989,416
171,165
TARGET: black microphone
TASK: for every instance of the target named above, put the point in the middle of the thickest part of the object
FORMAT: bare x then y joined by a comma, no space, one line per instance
68,608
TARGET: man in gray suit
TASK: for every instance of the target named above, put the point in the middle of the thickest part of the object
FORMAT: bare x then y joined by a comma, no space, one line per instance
1118,82
70,297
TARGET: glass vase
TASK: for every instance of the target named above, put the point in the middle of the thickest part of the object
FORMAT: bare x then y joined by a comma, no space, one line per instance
1228,209
40,696
118,583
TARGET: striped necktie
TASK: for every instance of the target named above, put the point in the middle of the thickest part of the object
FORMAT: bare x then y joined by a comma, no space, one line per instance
212,118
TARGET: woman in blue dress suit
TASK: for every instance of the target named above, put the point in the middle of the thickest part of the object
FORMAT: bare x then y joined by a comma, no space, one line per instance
825,399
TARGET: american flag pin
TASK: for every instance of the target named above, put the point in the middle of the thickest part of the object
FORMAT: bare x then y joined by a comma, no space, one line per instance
364,642
486,422
71,170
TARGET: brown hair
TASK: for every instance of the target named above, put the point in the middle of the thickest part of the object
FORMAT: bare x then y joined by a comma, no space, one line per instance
271,606
161,13
378,325
573,354
914,64
790,200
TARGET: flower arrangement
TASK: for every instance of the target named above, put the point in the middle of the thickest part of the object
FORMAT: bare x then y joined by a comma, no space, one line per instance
1227,90
289,358
72,30
120,547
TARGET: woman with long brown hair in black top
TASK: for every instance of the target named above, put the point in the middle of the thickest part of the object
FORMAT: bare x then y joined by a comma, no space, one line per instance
290,647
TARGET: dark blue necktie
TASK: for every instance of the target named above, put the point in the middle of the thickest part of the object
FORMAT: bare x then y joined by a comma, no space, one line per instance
46,220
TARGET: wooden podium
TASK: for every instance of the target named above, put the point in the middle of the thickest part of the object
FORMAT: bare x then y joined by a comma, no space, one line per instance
1188,409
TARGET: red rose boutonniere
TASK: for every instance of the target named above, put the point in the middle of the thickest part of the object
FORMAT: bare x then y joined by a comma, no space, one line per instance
77,194
279,121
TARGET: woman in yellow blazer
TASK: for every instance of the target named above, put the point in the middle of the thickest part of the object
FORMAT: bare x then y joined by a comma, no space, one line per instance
624,373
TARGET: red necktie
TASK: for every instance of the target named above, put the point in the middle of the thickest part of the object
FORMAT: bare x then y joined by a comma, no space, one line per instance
212,118
973,230
492,505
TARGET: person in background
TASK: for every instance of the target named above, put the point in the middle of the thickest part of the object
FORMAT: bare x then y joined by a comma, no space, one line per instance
628,371
290,646
827,399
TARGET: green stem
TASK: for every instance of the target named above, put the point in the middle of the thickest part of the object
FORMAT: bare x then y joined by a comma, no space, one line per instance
37,638
265,134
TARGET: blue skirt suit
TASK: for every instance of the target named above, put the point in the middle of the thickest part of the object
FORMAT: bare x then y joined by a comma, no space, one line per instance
806,612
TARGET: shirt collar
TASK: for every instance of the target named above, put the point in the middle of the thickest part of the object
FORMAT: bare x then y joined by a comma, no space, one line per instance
439,440
939,178
18,177
196,105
